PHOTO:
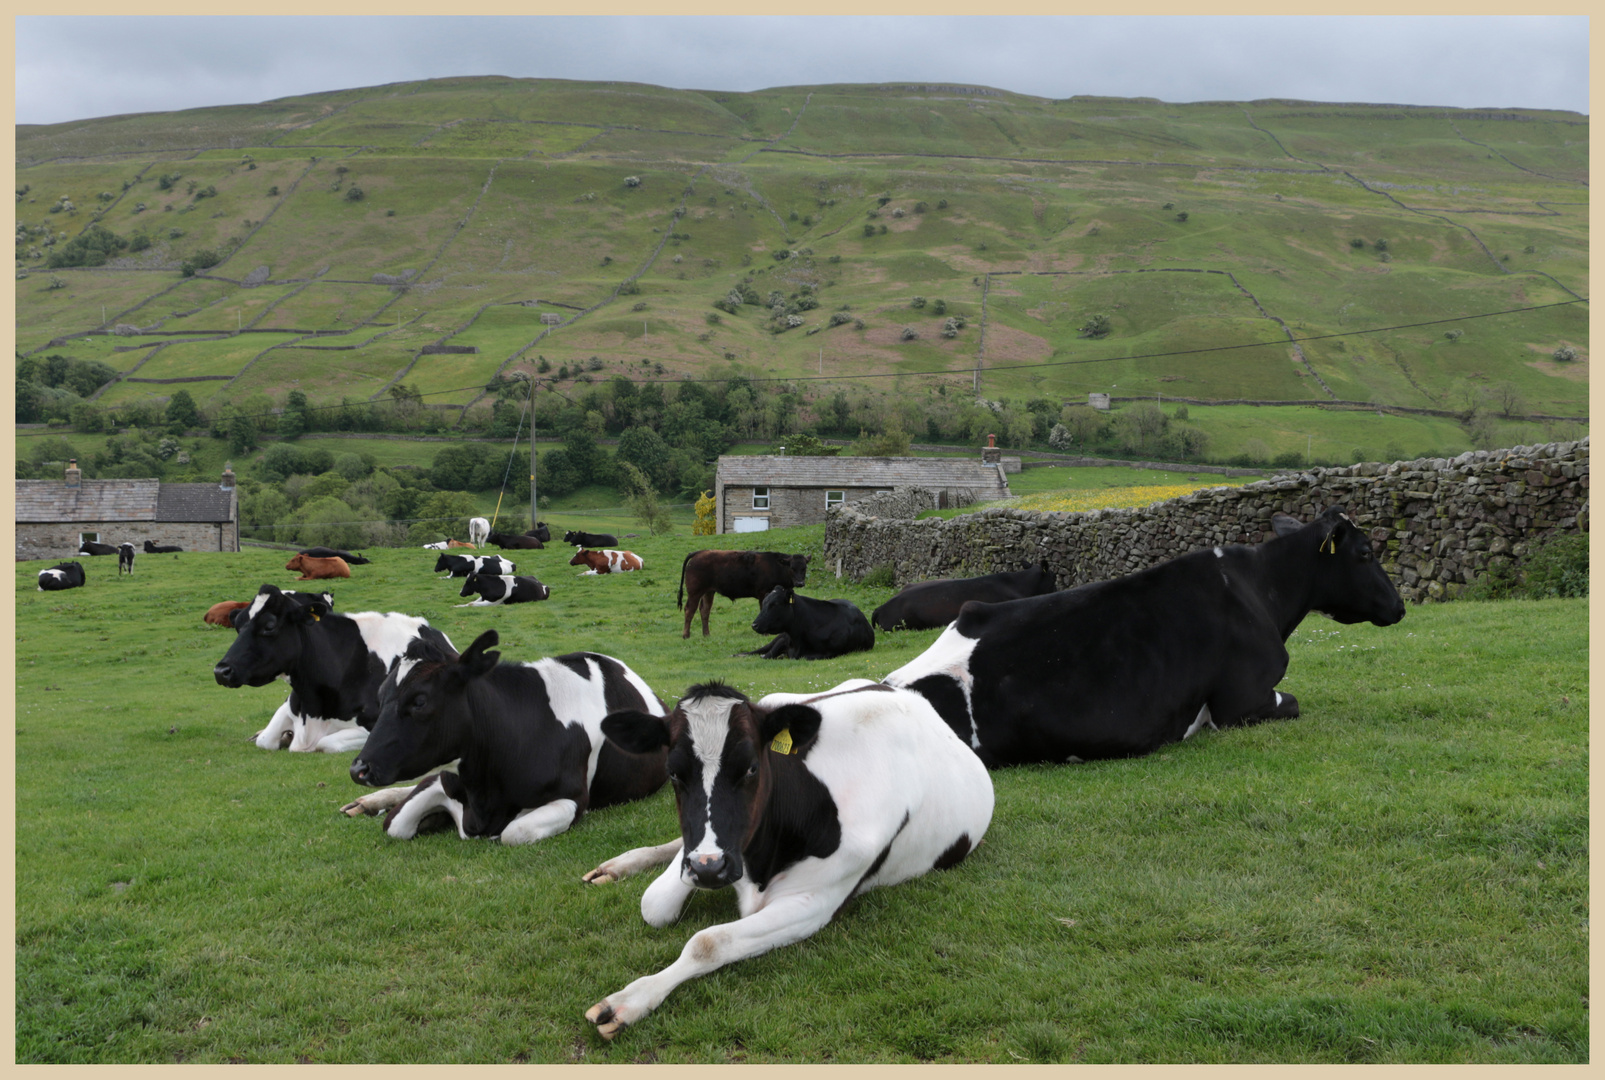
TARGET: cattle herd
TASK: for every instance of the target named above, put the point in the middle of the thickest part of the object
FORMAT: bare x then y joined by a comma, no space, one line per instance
797,802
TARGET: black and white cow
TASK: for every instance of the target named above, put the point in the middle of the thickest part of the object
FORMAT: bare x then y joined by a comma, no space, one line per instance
125,559
463,565
335,663
810,629
1119,668
89,547
502,589
926,605
799,802
527,738
161,549
67,575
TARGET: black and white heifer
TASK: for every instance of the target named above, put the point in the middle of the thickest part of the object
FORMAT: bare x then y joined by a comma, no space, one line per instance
799,802
502,589
89,547
161,549
527,738
335,662
67,575
463,565
926,605
125,559
810,629
1119,668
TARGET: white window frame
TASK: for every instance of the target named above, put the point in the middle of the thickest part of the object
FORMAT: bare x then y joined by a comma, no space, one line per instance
760,498
840,497
90,537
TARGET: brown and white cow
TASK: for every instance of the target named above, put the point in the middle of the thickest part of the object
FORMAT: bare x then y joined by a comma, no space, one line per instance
799,802
606,562
312,569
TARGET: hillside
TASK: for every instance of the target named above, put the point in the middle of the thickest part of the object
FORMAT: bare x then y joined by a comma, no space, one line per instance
356,228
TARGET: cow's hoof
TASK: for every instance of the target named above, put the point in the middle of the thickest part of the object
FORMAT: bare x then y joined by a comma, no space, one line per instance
357,808
286,739
601,1014
600,876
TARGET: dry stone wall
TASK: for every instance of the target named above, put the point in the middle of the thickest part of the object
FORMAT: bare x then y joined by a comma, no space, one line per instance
1437,523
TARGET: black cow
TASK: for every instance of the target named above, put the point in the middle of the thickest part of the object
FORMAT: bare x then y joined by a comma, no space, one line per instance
502,589
1119,668
513,540
540,532
527,736
463,565
335,662
735,575
929,604
67,575
590,540
335,553
810,629
89,547
161,549
125,559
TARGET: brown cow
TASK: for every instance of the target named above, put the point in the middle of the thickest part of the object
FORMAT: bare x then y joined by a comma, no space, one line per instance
737,575
606,562
460,543
313,568
218,614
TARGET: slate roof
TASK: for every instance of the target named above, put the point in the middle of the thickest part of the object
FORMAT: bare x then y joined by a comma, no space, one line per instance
46,501
862,472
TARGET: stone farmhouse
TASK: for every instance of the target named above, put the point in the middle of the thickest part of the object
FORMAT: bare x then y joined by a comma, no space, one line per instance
55,516
773,492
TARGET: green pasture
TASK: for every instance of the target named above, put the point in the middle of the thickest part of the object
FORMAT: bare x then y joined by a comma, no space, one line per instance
1398,876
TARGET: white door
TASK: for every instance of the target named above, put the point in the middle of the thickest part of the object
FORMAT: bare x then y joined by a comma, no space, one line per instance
751,524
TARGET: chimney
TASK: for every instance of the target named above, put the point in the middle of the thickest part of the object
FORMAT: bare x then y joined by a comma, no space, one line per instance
228,476
991,453
75,475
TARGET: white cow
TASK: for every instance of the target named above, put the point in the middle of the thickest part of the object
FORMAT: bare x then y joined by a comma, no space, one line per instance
478,529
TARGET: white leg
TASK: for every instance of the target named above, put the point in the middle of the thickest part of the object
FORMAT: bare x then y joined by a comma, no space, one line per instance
540,822
633,862
377,802
1203,718
274,735
311,731
342,742
426,798
787,919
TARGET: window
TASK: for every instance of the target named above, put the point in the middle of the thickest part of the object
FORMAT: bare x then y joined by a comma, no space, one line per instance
93,537
760,498
834,498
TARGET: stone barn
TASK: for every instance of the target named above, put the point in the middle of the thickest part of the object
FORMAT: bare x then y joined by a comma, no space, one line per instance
55,516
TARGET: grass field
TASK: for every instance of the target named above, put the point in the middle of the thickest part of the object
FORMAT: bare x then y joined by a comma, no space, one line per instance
1398,876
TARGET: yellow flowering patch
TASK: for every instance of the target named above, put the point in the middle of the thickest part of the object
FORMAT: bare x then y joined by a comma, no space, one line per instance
1105,499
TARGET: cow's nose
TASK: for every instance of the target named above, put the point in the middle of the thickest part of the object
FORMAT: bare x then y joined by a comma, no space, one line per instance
359,772
707,869
223,674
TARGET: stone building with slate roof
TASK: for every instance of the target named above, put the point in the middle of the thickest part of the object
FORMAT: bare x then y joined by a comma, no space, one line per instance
55,516
758,493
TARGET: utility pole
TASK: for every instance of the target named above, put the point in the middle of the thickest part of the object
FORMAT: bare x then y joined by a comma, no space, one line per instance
532,509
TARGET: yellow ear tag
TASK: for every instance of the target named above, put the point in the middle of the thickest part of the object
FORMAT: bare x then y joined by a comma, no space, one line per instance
1330,547
315,617
782,742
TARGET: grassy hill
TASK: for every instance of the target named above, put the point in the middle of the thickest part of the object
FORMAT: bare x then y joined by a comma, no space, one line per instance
488,203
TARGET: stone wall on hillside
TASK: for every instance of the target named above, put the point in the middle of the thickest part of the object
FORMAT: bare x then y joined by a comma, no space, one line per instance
1437,523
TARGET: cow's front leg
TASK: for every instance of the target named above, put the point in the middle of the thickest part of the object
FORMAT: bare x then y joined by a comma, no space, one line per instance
633,862
404,821
540,822
377,802
786,920
1277,706
280,730
342,742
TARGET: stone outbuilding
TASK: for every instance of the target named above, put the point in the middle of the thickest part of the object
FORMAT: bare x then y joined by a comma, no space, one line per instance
770,492
55,516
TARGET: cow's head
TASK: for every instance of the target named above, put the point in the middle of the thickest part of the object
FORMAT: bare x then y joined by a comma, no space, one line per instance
472,586
1346,581
298,563
269,640
424,712
446,562
541,532
799,570
720,745
581,558
774,615
571,537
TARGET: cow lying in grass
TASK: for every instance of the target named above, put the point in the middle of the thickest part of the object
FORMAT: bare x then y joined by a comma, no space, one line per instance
67,575
799,803
606,562
502,589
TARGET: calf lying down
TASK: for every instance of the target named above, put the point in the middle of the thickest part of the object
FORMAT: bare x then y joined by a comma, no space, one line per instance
798,802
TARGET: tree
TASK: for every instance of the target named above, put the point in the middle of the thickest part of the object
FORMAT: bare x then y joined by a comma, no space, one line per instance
1096,326
87,418
1509,398
643,500
243,432
293,421
705,508
893,442
453,467
644,449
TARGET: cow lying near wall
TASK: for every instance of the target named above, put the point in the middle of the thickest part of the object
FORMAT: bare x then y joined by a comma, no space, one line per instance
810,629
161,549
67,575
736,575
798,802
1121,667
90,547
527,737
926,605
606,562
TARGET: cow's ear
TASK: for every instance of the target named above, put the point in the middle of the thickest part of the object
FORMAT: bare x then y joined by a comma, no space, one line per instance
311,612
268,589
790,729
1285,524
476,661
636,732
237,616
1336,527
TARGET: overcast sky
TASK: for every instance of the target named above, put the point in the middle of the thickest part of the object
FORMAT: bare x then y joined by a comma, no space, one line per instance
71,68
